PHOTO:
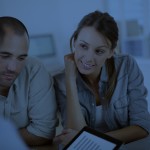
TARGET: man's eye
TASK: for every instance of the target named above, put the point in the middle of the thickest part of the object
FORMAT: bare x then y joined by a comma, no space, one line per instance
4,56
21,58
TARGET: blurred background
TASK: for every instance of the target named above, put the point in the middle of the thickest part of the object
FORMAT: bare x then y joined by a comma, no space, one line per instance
51,23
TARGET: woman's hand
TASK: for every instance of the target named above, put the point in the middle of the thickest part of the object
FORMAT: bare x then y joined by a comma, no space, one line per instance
70,66
74,116
65,137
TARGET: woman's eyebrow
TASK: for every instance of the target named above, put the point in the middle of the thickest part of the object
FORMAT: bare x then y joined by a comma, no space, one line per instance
101,46
84,42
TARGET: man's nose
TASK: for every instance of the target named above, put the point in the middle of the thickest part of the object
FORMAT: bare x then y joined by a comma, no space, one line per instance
12,65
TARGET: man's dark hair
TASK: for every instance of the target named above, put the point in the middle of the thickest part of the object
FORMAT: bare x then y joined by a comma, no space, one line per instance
16,25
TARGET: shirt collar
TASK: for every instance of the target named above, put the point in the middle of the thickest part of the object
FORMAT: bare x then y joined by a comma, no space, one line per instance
16,83
103,77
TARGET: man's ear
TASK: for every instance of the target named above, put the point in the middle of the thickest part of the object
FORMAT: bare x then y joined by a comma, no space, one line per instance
111,53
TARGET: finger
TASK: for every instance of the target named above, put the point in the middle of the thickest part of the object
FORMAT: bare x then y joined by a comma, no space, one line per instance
65,131
69,56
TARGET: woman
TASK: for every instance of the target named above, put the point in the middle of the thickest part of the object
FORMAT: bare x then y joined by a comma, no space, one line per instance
99,88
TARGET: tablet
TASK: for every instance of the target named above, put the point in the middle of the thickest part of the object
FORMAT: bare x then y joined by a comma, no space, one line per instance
90,139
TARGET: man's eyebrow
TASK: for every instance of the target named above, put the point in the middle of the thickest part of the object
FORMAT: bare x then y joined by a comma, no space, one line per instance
7,53
23,55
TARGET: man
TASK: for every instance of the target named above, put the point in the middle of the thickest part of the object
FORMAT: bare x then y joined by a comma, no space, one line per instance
26,89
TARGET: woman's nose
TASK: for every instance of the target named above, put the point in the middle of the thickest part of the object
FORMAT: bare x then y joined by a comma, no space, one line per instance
89,56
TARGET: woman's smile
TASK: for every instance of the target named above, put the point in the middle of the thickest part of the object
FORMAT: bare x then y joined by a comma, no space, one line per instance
87,66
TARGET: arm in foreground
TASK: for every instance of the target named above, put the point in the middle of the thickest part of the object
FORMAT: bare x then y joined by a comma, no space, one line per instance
128,134
33,140
42,108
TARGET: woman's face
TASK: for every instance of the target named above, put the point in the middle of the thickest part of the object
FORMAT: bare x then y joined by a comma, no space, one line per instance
91,51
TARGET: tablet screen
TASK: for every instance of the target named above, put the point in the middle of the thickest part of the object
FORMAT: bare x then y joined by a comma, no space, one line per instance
89,139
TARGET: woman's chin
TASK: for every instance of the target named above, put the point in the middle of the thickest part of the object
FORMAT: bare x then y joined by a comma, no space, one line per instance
85,71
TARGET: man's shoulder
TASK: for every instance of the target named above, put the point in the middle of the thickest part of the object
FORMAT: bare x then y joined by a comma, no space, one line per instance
34,64
33,61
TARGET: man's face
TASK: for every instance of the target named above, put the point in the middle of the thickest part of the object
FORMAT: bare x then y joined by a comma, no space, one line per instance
13,52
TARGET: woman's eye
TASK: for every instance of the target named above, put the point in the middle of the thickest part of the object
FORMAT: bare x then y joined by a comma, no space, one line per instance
99,51
83,46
